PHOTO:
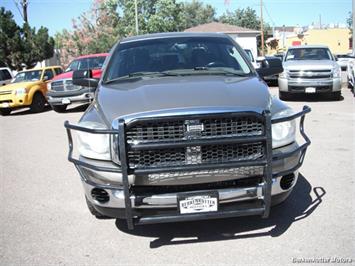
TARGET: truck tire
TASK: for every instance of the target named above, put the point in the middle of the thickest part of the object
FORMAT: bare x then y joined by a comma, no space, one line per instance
5,111
285,96
336,95
59,108
38,103
93,211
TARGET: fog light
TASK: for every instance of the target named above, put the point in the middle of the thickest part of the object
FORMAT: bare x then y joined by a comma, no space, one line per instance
100,195
287,181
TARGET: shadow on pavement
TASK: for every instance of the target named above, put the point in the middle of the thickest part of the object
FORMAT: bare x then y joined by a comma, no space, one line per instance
298,206
77,109
27,111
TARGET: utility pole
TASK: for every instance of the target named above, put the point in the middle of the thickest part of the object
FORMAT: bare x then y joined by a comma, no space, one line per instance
262,27
320,21
136,10
353,13
24,4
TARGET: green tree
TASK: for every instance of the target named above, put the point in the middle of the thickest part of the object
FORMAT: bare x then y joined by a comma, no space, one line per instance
22,45
94,31
10,40
153,16
241,17
195,13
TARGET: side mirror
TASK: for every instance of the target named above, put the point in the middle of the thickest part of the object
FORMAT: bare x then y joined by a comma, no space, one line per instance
84,78
336,58
270,66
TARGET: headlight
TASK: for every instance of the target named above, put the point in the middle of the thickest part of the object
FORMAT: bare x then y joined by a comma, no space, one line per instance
283,133
337,72
284,74
20,91
49,86
94,146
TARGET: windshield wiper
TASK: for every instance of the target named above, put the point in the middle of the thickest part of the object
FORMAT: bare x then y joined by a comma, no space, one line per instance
220,70
139,75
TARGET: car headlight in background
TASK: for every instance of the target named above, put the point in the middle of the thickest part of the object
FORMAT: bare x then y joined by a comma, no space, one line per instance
94,146
337,72
20,91
284,74
283,133
49,86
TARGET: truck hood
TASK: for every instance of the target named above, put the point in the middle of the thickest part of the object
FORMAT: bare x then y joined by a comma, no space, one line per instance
166,94
310,64
17,85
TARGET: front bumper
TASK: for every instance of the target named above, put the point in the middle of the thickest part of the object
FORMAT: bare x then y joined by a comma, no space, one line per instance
67,97
250,199
10,100
300,85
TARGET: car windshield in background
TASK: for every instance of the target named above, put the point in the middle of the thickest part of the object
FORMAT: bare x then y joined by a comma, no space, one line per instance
28,76
309,54
250,54
176,56
86,63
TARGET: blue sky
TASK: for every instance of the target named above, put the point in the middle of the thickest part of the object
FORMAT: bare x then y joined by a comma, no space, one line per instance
57,14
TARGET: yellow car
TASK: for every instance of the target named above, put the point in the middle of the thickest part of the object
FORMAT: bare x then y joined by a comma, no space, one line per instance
27,89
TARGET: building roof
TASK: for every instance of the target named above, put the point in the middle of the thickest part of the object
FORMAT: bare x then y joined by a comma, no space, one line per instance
220,27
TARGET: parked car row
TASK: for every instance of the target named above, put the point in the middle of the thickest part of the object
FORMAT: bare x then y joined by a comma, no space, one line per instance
35,87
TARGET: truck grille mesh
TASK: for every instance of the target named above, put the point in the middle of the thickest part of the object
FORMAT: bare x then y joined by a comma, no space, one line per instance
64,85
176,130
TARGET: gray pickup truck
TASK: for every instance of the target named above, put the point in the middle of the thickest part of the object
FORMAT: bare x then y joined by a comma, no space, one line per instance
183,128
310,69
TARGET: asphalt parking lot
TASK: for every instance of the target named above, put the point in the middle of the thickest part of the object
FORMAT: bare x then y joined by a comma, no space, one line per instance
44,219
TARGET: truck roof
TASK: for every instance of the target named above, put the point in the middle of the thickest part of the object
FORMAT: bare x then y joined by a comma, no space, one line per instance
308,46
172,35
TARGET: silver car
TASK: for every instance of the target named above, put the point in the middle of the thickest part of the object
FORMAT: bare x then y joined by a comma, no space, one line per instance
183,128
310,69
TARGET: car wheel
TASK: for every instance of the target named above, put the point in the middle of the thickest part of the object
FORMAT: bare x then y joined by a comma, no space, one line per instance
285,96
5,111
336,95
59,108
93,211
38,103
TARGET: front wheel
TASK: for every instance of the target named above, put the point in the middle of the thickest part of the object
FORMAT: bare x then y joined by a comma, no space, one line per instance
285,96
5,111
59,108
38,103
336,95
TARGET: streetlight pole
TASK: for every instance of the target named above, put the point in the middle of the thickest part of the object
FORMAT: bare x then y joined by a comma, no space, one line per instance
262,27
136,11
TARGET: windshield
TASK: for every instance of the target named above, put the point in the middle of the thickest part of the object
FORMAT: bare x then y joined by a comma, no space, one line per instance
309,54
28,76
183,56
86,63
250,54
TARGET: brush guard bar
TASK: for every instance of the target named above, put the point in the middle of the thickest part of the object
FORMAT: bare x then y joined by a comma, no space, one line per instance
262,207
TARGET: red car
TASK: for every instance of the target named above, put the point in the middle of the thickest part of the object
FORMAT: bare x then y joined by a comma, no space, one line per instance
62,92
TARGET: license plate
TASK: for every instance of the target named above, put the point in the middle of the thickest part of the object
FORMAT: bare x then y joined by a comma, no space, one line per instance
310,90
198,202
65,101
5,105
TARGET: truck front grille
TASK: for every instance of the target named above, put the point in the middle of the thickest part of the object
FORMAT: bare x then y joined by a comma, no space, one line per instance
176,130
191,141
311,74
195,155
64,85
